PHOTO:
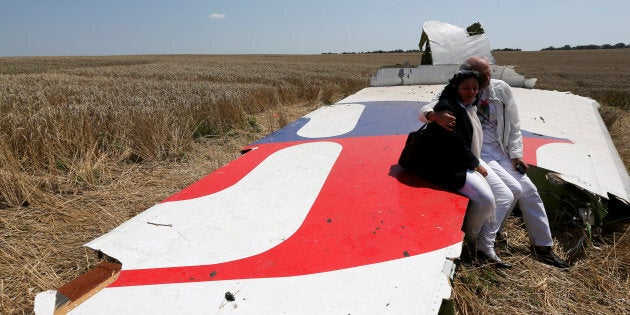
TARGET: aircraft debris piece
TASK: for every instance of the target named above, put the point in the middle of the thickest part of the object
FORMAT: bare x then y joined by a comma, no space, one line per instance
309,208
440,74
446,44
317,213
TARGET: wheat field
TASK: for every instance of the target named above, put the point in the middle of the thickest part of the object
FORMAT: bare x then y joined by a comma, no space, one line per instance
88,142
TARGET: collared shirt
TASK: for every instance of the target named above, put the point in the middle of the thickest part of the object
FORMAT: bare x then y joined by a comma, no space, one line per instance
502,134
491,149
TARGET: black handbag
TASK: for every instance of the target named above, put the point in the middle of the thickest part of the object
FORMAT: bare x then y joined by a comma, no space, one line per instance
437,155
412,158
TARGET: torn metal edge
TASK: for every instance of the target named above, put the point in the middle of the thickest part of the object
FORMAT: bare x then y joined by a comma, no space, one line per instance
75,292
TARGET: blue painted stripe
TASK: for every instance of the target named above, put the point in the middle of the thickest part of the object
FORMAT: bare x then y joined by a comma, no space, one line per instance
528,134
378,119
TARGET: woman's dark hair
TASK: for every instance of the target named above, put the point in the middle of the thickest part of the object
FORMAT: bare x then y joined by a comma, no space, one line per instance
450,90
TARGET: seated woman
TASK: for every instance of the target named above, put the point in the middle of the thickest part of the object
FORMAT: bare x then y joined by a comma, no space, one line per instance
454,162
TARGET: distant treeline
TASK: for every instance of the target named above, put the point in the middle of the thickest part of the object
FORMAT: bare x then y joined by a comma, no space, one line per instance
375,52
507,49
565,47
581,47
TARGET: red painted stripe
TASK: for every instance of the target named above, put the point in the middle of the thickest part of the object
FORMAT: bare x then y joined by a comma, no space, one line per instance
531,145
367,212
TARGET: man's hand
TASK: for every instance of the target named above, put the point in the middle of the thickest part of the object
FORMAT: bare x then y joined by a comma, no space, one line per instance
519,162
445,119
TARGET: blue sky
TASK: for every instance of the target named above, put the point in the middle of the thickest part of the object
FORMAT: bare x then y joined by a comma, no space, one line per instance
120,27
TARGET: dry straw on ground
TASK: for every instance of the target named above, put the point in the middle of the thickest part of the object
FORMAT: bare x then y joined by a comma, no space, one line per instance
88,142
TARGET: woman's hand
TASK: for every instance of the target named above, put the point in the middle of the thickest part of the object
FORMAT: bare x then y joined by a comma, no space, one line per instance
481,170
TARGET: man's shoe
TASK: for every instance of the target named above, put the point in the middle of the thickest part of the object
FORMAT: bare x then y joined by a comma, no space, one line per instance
483,259
547,255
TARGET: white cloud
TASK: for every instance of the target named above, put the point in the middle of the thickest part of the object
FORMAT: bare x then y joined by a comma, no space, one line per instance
217,16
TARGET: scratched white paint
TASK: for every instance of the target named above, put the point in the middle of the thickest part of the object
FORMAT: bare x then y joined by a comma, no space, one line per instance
330,121
414,284
592,162
218,227
410,93
578,164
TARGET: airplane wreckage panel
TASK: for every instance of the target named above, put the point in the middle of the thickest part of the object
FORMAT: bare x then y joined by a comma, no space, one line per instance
316,217
319,217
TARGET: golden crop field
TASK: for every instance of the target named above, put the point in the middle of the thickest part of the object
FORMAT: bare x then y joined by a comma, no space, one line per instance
88,142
